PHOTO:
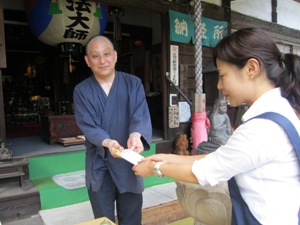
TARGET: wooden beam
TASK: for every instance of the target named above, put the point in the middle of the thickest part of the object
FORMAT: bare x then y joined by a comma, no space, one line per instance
227,13
277,31
153,5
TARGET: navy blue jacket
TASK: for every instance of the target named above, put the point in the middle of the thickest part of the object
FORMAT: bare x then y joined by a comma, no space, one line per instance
115,116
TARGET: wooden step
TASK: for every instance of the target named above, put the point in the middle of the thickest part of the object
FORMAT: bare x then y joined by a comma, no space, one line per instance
18,203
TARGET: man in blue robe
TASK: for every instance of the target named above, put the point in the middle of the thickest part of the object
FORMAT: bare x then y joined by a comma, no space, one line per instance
112,112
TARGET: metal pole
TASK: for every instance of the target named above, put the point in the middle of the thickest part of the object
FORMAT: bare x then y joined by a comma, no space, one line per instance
198,47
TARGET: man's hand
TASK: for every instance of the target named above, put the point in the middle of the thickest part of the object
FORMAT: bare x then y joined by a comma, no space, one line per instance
134,142
113,147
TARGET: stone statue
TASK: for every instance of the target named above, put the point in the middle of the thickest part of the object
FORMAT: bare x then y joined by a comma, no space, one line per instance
220,128
5,153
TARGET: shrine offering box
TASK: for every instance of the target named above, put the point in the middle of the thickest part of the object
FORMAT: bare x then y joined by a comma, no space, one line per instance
57,127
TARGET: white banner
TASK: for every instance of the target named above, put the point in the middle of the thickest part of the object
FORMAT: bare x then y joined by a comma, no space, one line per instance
174,67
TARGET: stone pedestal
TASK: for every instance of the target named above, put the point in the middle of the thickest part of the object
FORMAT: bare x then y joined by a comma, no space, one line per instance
206,204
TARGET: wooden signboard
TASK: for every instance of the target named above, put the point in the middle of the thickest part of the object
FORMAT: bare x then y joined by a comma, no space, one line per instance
173,116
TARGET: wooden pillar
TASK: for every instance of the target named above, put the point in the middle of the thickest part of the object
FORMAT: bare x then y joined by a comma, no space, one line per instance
226,4
274,11
2,41
164,44
2,65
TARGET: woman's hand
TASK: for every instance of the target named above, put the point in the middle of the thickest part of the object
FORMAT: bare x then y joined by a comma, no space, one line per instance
144,168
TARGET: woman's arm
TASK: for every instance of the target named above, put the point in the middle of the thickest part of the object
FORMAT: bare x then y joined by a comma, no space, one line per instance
174,166
175,159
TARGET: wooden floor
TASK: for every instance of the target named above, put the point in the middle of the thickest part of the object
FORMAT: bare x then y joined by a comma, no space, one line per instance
156,215
21,207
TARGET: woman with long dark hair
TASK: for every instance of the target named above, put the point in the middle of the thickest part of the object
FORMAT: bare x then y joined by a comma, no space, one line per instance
259,156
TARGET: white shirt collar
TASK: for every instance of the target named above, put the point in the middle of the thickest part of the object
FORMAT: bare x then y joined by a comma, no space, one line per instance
263,104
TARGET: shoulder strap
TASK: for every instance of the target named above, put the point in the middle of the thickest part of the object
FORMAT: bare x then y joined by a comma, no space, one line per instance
288,127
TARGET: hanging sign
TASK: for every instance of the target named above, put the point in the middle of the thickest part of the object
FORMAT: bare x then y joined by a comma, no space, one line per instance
182,29
174,69
59,21
212,31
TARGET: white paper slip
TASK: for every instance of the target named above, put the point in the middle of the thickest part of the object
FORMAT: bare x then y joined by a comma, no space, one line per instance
131,156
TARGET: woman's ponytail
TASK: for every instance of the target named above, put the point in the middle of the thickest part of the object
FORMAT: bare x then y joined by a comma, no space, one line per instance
290,79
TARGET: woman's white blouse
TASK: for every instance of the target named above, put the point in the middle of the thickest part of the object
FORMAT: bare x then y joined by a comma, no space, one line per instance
261,158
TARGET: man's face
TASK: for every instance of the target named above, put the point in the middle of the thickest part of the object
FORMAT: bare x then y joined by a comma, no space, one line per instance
101,58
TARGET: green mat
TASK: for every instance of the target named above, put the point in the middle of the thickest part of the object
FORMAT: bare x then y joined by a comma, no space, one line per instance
43,168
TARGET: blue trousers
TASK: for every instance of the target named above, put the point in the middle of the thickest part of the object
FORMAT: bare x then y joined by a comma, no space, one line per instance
128,205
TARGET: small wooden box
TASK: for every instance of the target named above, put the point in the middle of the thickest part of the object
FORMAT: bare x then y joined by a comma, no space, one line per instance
56,127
